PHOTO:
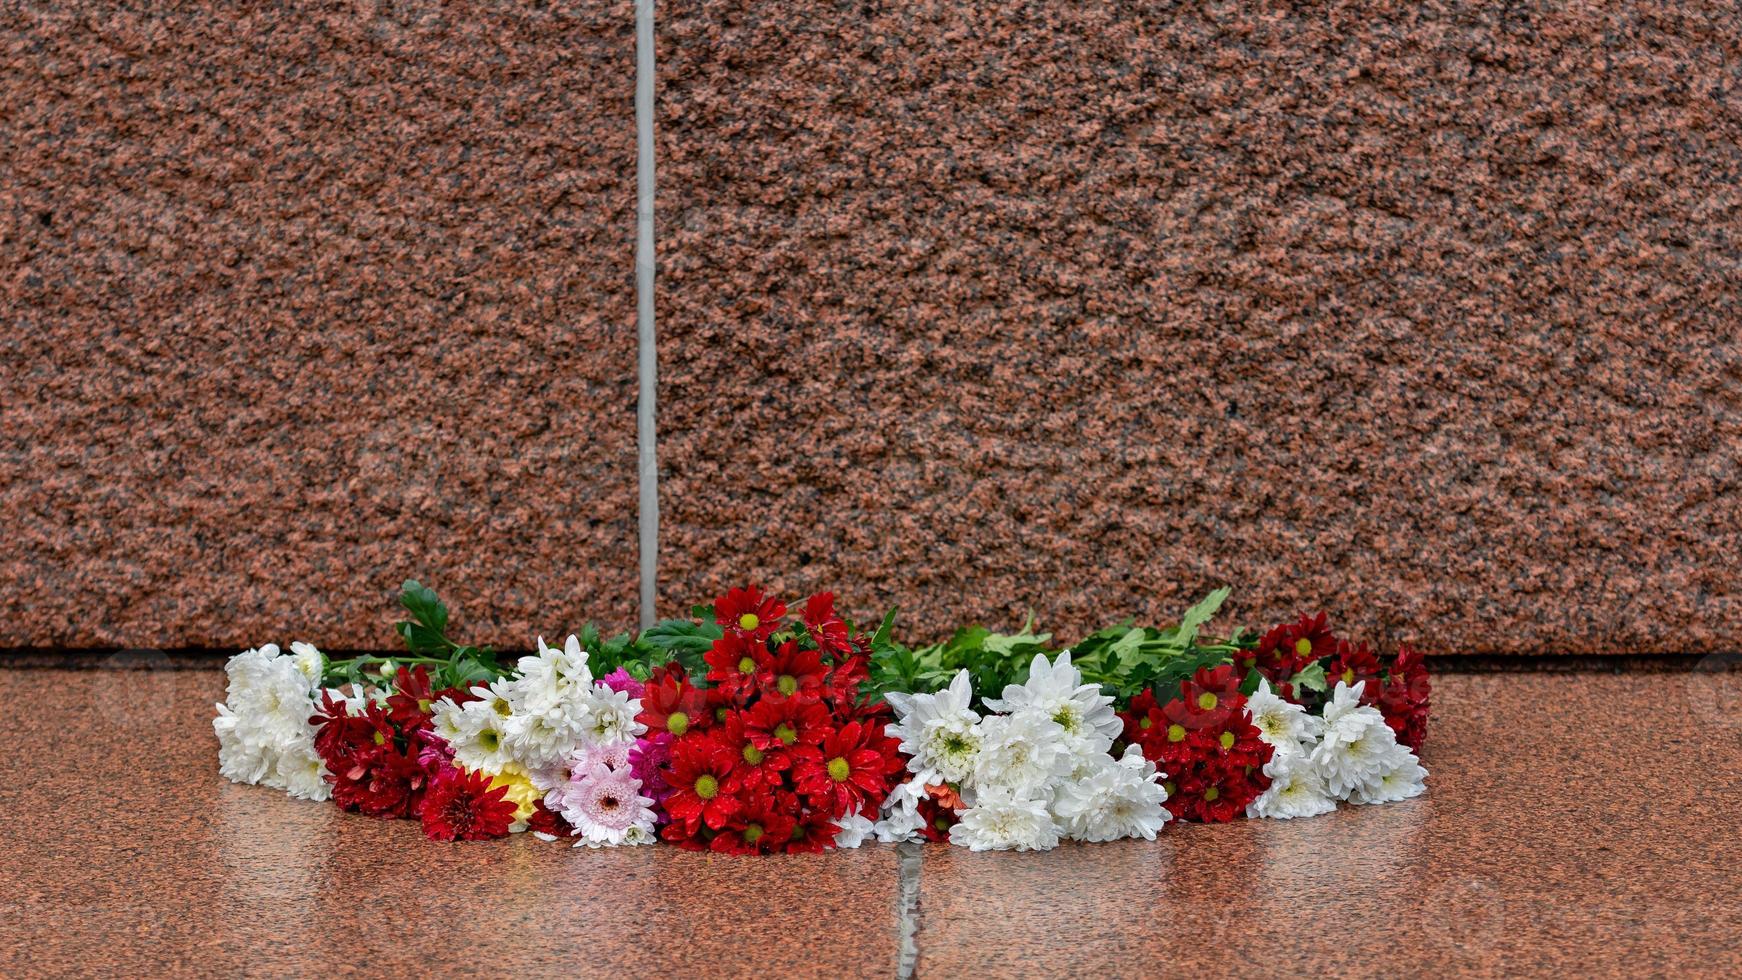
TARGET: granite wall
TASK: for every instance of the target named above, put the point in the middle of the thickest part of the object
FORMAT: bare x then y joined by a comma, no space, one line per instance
1423,313
1426,314
303,299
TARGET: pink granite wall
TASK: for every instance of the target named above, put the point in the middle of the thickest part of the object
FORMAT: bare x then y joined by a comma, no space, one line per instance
1423,313
1426,314
301,299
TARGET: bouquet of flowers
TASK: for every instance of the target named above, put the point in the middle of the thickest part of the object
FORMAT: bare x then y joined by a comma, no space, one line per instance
748,731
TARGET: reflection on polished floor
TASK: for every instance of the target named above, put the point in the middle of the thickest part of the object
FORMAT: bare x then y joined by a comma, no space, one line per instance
1575,824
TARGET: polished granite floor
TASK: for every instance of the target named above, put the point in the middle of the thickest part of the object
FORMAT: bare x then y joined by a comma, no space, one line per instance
1576,824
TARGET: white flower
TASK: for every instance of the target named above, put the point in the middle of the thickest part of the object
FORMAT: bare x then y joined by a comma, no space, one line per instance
1357,747
853,830
1021,753
1404,781
901,820
1286,726
309,661
482,740
606,808
1296,789
611,717
263,729
937,731
1003,821
1115,799
1057,693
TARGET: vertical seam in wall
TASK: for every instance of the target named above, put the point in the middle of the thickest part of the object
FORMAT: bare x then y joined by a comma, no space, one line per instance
909,857
646,430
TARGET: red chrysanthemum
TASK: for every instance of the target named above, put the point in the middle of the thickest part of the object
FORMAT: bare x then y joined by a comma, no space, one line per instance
938,817
411,705
669,703
844,681
792,673
781,723
826,626
462,806
1404,698
700,768
1205,744
1284,650
813,831
750,613
1351,664
756,767
852,766
762,825
1143,719
1210,694
733,662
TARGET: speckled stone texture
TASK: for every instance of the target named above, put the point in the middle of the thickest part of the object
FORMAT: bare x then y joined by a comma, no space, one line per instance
1424,314
302,300
1575,825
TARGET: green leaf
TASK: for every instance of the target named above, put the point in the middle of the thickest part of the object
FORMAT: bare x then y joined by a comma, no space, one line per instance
1312,677
421,639
1198,615
880,639
420,600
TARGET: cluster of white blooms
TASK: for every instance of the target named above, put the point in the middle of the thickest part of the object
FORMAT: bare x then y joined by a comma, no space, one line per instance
1349,754
1038,770
568,734
264,735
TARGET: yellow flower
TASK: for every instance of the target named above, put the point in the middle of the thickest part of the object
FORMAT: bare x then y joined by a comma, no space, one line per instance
521,793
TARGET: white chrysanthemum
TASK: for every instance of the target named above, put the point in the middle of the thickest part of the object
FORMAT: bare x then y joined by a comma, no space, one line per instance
1003,821
1116,799
1056,692
901,819
1404,781
611,717
1296,789
1282,724
853,830
265,719
606,808
1021,753
482,742
1357,747
553,675
937,730
548,705
309,661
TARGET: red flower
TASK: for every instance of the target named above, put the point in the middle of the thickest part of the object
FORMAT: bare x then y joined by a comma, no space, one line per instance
939,818
851,766
462,806
733,662
671,704
1143,720
813,830
1352,664
1286,649
762,826
848,675
826,626
1404,698
700,767
347,743
410,706
1211,693
545,821
792,673
777,723
755,767
749,613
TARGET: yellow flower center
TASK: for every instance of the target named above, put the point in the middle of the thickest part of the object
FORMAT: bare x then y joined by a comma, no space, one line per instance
786,684
1206,700
1211,794
677,723
752,754
752,833
1227,740
1146,723
749,621
746,666
707,787
839,770
1303,646
380,739
786,733
1348,675
1176,733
